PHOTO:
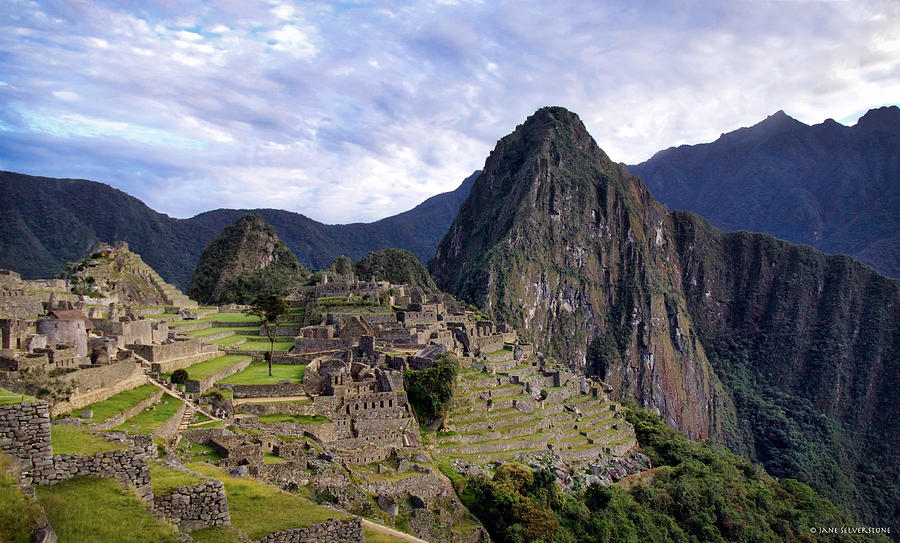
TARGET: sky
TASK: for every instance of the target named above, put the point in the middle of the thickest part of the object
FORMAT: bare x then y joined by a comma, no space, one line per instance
353,111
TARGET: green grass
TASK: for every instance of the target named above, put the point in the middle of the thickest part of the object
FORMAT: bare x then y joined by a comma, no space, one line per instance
7,397
200,453
165,479
230,340
18,515
153,417
257,373
218,534
258,509
230,317
67,439
371,536
84,510
212,366
298,419
120,402
264,345
204,332
270,458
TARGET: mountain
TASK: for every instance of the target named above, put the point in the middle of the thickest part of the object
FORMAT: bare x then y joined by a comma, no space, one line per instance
785,354
45,223
396,266
831,186
246,259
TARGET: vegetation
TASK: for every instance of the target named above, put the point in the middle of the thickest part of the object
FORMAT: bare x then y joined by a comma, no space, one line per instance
430,391
66,439
8,397
696,493
153,417
246,259
209,367
165,479
269,308
257,373
120,402
397,266
86,510
258,509
18,514
179,376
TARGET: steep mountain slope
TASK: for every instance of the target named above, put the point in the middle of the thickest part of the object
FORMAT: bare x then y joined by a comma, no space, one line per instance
246,259
831,186
785,354
45,223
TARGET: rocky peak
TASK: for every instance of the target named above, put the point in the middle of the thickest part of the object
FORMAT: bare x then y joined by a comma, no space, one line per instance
886,118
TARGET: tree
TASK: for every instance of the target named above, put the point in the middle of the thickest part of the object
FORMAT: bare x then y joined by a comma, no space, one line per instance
268,307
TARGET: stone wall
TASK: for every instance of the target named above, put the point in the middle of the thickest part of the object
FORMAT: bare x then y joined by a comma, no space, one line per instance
98,383
209,352
285,408
169,428
315,345
200,386
169,351
128,467
120,418
268,391
195,507
349,531
25,434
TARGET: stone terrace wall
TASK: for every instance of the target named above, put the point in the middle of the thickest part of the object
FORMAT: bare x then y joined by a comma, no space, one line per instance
169,428
120,418
195,507
268,391
350,531
210,351
98,383
25,434
286,408
127,467
195,385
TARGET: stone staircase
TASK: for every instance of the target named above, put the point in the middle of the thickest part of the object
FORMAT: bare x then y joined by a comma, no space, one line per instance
172,295
495,416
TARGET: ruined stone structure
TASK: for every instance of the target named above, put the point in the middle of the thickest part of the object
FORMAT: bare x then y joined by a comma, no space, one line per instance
349,531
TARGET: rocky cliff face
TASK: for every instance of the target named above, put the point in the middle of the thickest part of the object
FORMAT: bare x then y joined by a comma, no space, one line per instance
783,353
574,252
246,259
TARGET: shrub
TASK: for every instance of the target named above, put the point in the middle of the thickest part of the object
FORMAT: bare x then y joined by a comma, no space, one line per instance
179,377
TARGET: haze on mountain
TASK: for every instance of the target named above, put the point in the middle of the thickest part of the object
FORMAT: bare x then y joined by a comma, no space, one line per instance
831,186
45,223
786,355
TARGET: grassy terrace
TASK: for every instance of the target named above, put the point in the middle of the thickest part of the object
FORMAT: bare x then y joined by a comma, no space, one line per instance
213,330
18,516
120,402
7,397
230,340
258,509
153,417
85,510
264,345
213,365
165,479
67,439
257,373
298,419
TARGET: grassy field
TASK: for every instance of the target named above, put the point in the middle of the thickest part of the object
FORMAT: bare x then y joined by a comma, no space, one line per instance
219,534
230,340
257,373
18,516
85,510
299,419
165,479
203,332
7,397
258,509
67,439
263,345
371,536
230,317
120,402
214,365
153,417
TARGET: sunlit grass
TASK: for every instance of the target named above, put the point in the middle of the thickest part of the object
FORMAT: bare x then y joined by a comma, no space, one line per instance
120,403
67,439
153,417
257,373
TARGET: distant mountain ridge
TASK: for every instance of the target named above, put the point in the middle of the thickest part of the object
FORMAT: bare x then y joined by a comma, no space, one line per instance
45,223
831,186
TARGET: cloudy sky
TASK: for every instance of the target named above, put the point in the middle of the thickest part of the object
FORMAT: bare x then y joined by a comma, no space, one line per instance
352,111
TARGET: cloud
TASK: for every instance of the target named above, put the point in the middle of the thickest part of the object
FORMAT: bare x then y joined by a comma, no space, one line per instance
354,111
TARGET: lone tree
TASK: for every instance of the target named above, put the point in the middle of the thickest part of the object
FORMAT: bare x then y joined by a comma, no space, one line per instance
268,307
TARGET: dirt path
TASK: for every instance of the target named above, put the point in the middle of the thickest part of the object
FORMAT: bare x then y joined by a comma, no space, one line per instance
391,532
